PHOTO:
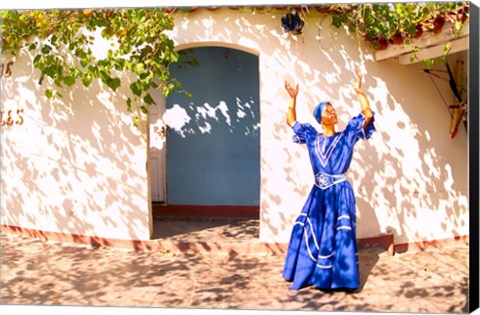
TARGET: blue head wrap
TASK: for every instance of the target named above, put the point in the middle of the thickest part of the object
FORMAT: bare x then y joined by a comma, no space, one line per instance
317,112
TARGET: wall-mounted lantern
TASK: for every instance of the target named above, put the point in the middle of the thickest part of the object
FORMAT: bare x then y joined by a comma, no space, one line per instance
292,22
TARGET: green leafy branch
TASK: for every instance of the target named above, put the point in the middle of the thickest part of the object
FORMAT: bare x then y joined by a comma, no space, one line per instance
383,24
62,42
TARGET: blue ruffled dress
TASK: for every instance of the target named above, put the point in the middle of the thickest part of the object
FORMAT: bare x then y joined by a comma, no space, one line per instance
322,250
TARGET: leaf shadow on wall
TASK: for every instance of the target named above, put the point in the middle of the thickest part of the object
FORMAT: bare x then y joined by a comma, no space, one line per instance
75,166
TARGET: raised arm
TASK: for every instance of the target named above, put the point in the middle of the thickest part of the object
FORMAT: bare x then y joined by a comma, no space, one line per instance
366,111
292,112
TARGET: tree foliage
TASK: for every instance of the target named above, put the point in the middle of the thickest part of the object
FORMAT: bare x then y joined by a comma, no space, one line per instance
383,24
388,20
62,42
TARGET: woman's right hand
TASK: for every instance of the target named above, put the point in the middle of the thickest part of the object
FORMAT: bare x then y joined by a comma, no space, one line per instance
291,90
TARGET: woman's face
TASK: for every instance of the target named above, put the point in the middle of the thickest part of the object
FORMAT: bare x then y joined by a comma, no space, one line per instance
329,115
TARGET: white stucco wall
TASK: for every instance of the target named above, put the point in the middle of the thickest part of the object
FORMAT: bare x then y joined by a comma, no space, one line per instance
410,179
77,164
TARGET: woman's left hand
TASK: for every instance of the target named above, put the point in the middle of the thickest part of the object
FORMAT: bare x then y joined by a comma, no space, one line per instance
358,84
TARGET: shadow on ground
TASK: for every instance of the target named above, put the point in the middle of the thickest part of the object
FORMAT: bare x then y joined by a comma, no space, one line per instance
205,228
52,273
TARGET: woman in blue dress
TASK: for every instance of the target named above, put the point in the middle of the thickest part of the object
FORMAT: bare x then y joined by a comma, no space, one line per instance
322,250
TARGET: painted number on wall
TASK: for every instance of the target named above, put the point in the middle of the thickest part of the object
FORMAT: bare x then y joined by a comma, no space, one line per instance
12,117
6,69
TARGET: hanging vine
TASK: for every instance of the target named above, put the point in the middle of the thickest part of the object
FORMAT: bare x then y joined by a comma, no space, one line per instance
62,41
384,24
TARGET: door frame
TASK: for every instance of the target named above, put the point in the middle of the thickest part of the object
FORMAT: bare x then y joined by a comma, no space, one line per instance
155,129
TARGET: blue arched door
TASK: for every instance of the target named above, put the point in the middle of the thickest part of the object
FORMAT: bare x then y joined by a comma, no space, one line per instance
213,138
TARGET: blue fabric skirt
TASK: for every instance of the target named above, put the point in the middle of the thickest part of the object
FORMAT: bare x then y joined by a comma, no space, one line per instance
323,251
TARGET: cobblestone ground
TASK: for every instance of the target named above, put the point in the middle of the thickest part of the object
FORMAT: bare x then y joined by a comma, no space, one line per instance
38,272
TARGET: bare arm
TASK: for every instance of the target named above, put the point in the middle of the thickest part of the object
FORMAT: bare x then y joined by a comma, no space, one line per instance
292,112
366,110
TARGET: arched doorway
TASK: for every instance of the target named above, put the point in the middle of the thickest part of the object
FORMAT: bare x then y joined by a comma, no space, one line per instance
213,138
